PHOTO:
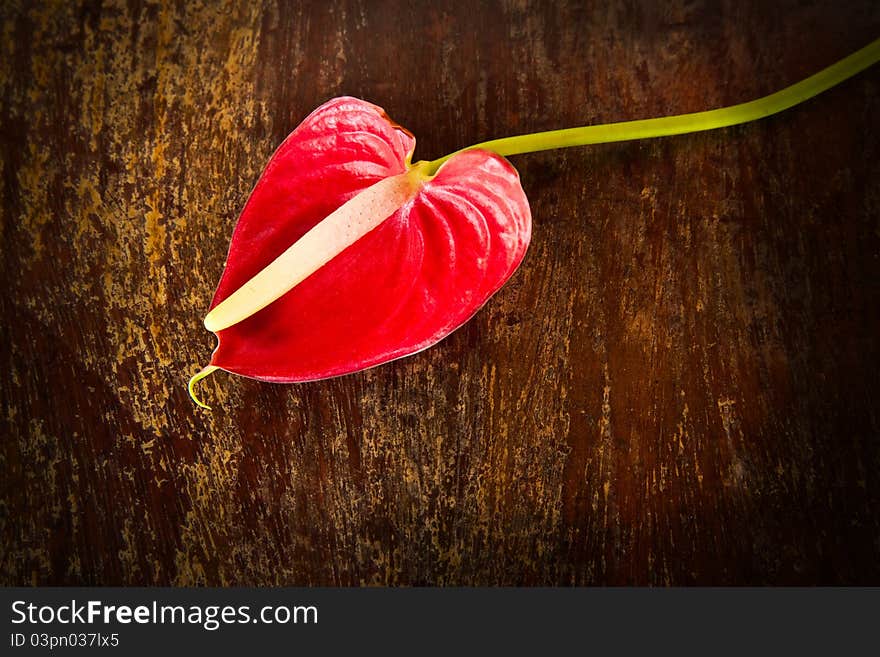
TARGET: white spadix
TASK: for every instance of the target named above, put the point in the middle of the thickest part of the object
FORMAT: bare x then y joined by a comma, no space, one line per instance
339,230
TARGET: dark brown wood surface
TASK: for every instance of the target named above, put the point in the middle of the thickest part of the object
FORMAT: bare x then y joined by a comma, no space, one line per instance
679,386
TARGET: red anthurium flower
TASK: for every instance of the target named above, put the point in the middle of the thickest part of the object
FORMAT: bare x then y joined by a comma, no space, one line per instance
450,242
347,255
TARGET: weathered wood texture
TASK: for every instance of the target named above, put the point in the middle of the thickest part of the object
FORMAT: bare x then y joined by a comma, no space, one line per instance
679,386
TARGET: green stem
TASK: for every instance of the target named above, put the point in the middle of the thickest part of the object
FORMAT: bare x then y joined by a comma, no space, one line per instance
683,123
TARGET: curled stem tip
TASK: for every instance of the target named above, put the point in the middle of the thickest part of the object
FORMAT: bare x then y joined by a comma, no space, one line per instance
201,374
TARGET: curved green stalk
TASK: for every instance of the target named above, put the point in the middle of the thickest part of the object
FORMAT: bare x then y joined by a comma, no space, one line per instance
684,123
201,374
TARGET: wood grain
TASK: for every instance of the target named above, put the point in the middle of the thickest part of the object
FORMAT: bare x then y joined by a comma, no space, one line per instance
679,386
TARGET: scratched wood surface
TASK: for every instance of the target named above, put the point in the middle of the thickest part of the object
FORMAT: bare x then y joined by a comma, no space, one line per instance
679,386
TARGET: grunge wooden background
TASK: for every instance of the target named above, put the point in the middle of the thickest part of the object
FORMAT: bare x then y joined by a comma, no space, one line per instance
679,386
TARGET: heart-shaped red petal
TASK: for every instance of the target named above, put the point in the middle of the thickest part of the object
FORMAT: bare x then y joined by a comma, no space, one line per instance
401,288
